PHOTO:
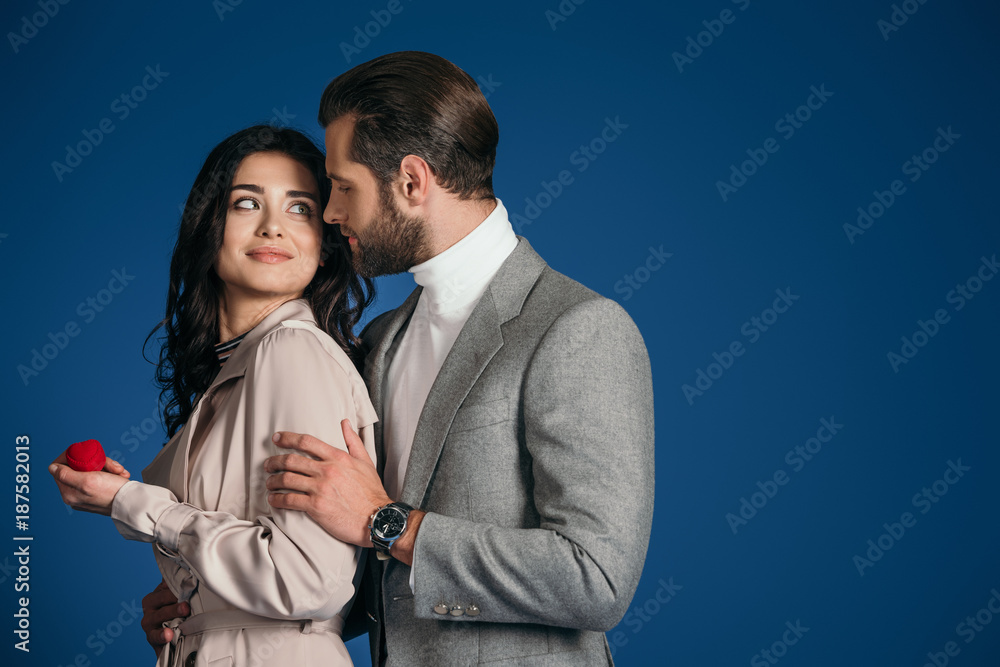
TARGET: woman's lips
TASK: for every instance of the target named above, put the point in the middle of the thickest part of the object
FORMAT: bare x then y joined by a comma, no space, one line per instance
270,254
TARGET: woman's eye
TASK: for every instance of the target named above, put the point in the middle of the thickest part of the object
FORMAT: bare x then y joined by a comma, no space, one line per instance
246,203
301,209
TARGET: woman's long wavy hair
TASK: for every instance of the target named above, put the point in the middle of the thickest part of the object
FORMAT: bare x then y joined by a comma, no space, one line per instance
187,361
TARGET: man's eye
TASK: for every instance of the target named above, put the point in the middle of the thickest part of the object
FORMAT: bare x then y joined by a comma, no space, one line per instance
246,203
343,189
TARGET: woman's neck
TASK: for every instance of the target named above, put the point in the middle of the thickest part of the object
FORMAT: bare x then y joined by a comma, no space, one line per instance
237,315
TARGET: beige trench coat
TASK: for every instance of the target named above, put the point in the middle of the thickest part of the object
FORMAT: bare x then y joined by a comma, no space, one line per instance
266,586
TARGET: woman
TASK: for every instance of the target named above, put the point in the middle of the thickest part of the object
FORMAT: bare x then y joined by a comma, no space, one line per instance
265,586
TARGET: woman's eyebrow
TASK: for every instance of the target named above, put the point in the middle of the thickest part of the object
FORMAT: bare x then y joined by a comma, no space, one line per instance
302,193
256,189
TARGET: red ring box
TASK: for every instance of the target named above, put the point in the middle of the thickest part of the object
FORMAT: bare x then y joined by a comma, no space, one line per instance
85,456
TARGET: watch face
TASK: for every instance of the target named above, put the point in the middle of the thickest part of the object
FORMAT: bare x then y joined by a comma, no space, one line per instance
389,523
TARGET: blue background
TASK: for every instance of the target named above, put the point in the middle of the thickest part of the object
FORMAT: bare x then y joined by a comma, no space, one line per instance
714,591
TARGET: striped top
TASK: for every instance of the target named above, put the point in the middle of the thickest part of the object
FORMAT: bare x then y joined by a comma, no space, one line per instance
223,350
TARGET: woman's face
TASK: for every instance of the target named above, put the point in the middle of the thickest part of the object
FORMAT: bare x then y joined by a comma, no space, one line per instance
273,237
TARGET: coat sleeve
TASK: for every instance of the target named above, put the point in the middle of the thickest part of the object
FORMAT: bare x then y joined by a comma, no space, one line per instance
281,564
588,426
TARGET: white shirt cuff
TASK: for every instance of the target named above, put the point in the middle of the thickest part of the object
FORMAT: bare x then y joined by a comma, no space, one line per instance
412,568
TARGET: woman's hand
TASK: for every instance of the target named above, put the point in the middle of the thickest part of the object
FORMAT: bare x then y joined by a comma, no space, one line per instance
89,491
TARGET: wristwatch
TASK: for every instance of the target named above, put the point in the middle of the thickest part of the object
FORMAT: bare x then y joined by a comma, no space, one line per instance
388,524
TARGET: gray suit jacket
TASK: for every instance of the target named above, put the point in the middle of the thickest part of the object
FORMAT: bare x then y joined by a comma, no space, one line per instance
533,457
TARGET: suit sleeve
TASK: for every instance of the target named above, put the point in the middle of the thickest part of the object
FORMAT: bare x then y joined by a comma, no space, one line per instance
588,425
282,564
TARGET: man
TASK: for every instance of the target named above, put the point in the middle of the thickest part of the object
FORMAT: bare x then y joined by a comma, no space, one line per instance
516,433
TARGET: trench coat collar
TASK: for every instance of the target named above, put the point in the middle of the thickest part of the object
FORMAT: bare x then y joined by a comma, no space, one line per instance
169,468
236,364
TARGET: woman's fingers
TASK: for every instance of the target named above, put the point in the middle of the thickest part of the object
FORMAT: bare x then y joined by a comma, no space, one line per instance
112,466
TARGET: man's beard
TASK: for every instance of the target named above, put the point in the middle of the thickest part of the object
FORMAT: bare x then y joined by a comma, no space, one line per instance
393,242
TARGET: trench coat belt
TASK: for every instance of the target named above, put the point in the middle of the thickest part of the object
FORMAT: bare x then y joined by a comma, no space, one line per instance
173,654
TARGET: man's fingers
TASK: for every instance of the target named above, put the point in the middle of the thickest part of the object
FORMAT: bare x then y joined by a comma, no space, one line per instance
289,481
355,446
159,636
289,501
155,618
292,463
302,442
160,597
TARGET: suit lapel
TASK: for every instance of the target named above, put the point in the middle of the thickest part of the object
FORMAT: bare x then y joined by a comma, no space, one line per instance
480,339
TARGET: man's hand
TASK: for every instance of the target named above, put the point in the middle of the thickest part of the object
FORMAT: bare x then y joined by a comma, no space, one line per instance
89,491
159,607
338,489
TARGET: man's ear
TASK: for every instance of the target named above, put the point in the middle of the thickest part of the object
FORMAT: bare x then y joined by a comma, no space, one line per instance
415,180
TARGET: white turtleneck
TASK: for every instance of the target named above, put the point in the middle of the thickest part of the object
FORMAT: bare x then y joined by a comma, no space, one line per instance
453,283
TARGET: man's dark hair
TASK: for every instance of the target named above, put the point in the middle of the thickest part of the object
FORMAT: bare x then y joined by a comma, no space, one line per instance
416,103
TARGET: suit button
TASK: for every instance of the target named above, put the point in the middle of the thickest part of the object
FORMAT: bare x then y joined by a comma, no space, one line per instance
472,610
457,610
191,659
441,608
